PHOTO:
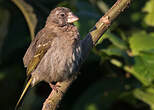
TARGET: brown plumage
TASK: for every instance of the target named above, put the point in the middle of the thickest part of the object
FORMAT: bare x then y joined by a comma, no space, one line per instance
54,53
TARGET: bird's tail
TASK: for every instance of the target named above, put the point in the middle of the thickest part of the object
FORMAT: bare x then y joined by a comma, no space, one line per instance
23,93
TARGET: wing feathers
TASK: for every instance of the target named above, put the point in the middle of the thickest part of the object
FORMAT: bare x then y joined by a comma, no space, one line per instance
37,49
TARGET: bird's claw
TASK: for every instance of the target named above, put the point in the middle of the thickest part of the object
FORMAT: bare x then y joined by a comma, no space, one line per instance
54,87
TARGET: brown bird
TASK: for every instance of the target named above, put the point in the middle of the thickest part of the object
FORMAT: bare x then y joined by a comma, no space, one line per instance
54,53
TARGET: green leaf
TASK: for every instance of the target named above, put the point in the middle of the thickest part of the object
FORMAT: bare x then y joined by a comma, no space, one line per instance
145,96
114,51
136,16
116,40
141,41
29,14
144,66
149,8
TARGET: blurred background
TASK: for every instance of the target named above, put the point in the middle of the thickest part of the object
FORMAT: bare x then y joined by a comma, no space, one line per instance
117,75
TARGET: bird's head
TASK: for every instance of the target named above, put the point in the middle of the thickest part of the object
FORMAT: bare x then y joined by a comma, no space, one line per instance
61,16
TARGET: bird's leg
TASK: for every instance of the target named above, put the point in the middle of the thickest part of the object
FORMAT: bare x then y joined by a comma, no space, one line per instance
54,87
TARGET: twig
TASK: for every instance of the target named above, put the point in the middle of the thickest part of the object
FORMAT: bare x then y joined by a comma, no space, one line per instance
87,43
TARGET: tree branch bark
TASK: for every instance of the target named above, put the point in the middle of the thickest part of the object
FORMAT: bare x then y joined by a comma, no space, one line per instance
87,43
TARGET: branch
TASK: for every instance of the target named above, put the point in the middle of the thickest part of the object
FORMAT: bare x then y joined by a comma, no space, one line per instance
87,43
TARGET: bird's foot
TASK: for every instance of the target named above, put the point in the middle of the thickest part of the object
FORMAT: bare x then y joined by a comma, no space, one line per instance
54,87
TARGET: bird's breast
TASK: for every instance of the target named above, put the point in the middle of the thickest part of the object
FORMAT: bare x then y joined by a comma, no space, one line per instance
60,61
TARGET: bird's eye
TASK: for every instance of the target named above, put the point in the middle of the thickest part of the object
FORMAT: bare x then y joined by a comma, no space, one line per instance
62,14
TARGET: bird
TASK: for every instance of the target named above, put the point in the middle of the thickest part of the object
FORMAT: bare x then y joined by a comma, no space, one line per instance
54,54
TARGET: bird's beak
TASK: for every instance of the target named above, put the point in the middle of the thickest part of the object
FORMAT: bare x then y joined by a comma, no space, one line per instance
71,18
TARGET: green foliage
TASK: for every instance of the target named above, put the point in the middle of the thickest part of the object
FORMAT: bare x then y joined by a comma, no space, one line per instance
116,41
149,16
146,95
118,74
144,65
141,41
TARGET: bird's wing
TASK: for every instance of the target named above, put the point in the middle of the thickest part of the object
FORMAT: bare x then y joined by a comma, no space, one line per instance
32,48
37,50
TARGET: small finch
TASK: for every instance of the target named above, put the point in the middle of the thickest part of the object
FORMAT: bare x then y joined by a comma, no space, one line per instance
54,53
